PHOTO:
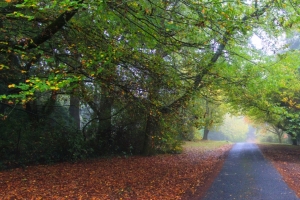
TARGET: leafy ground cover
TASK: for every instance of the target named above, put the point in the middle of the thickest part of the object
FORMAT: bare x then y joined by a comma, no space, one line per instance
180,176
286,159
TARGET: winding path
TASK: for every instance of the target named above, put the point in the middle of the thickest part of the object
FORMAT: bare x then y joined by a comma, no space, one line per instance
246,174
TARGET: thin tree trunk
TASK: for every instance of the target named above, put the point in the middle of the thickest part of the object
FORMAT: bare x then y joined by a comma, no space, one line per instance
205,134
279,134
279,139
74,110
294,141
18,144
207,115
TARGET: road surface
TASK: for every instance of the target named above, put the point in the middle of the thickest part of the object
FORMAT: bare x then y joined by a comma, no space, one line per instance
246,174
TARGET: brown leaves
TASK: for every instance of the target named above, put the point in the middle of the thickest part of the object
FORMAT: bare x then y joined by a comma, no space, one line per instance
157,177
286,159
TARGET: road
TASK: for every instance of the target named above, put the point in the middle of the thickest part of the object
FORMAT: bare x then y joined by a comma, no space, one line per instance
246,174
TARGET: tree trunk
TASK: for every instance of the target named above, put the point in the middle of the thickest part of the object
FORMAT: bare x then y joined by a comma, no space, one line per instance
279,139
105,124
279,134
151,128
293,137
18,151
206,118
74,110
205,134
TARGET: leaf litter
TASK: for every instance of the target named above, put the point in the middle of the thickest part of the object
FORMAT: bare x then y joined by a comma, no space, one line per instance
286,159
178,176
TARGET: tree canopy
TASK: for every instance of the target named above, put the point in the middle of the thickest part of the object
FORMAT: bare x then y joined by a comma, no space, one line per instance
127,73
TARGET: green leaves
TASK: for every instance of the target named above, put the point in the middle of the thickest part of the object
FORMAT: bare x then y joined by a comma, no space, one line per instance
155,54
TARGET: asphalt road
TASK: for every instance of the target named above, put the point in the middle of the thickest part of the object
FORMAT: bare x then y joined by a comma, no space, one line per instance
246,174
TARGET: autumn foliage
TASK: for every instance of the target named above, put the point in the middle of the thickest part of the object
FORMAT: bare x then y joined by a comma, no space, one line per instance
286,159
179,176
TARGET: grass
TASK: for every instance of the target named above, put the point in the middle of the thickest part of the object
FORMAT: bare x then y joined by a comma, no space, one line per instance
275,143
205,144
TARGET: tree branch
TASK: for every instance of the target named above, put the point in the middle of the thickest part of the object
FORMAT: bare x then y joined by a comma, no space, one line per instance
48,32
199,77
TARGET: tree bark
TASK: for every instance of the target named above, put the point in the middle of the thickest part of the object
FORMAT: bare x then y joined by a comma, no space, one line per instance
207,119
205,134
151,127
105,120
74,110
279,133
279,139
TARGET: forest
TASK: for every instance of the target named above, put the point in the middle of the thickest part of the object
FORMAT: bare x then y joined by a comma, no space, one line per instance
89,78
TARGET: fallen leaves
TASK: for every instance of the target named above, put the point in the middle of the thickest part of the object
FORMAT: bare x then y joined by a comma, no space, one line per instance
286,159
159,177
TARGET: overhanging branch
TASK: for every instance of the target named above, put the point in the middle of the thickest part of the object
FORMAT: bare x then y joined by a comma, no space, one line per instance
199,77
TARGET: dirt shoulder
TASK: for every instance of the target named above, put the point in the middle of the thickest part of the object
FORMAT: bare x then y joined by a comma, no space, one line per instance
286,159
181,176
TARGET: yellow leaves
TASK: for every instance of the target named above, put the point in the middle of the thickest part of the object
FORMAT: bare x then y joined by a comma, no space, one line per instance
54,88
11,86
298,106
3,67
148,11
24,103
27,81
285,99
248,27
225,15
291,103
134,4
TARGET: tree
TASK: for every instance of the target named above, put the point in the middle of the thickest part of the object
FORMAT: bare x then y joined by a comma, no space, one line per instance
277,131
155,55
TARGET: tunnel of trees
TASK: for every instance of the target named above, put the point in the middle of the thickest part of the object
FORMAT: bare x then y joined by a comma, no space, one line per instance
86,78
